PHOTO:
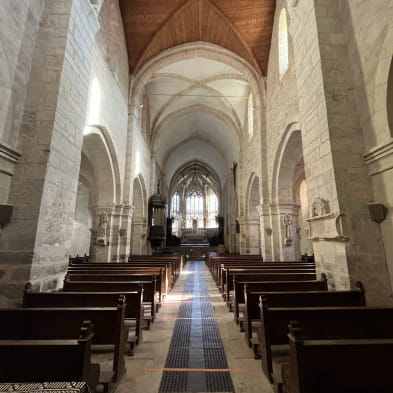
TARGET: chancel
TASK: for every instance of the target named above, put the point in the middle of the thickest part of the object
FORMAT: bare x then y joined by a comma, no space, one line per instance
196,195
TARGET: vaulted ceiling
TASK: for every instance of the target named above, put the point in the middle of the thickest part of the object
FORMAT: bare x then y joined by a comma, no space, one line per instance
241,26
197,110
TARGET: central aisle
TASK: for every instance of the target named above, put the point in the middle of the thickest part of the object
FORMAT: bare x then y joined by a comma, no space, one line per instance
193,345
196,359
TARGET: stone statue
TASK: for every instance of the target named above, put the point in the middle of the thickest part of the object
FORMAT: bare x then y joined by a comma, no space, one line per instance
287,220
320,207
101,229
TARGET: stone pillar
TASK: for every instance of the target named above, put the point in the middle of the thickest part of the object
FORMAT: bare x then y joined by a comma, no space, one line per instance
266,232
249,236
139,235
35,245
115,238
346,242
125,230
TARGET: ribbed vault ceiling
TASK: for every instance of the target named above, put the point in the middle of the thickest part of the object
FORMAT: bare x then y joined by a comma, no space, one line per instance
197,111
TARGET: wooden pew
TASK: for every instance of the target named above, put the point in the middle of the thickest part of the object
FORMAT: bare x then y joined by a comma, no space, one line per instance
176,260
219,269
340,365
227,273
274,321
133,311
215,258
63,323
239,288
250,275
122,277
42,360
163,272
149,289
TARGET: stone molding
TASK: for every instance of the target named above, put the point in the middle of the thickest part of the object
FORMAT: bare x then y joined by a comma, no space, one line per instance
10,157
327,227
380,158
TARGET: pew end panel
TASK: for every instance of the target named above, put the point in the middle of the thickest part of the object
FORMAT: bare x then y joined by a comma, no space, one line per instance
340,365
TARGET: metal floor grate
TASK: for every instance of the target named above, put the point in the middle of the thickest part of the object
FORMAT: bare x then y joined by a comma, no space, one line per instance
196,342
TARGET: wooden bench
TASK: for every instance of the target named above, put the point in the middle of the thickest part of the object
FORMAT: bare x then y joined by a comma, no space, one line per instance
177,261
133,311
162,272
221,269
249,275
149,289
63,323
240,287
274,321
46,360
340,365
121,277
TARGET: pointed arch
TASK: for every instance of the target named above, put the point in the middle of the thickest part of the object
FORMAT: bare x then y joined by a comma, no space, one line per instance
100,149
289,150
253,199
139,221
383,92
191,50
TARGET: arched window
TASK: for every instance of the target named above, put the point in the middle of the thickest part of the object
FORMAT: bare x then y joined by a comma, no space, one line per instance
194,209
283,57
212,209
250,116
175,213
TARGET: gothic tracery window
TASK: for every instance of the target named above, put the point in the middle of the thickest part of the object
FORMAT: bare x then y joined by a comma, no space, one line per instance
175,213
194,209
212,209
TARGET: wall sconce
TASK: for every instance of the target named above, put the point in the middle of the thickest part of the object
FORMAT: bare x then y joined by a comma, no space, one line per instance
377,211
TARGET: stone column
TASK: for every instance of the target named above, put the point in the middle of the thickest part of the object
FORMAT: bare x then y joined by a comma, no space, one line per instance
249,236
35,245
138,235
124,248
266,230
346,242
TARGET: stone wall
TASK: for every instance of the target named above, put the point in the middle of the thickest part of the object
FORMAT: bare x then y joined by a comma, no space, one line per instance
370,46
35,245
333,148
282,119
18,31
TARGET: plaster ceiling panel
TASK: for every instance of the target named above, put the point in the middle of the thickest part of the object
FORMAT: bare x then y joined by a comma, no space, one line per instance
194,98
236,92
197,125
196,150
199,68
159,91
